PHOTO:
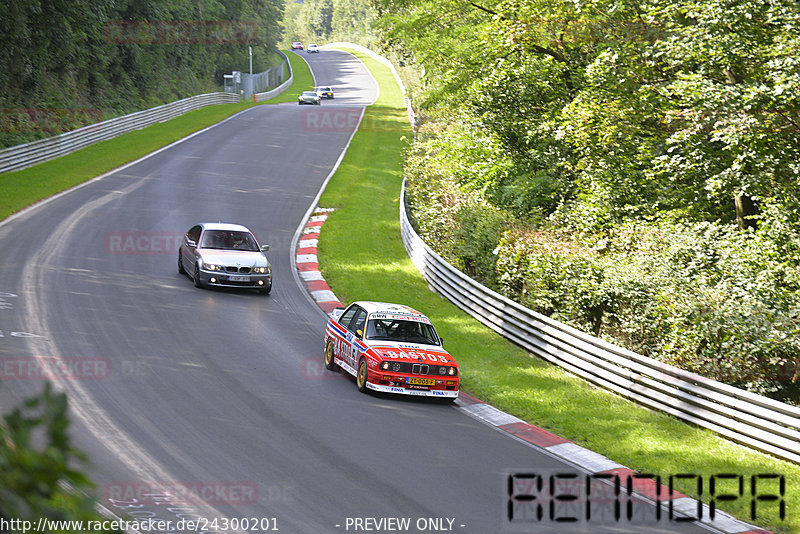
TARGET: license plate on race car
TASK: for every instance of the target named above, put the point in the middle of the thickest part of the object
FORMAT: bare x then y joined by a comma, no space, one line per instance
239,278
422,381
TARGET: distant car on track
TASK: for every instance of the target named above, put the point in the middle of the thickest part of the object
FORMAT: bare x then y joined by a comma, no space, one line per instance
312,48
297,45
390,348
308,97
325,92
224,255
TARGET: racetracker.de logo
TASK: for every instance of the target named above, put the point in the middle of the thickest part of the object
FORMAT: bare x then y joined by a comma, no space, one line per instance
143,242
330,120
50,368
314,369
201,492
173,32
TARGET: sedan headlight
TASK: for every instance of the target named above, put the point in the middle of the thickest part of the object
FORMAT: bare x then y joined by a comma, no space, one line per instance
212,267
260,270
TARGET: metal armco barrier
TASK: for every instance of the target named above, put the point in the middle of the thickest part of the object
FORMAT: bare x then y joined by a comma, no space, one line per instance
260,97
21,156
753,420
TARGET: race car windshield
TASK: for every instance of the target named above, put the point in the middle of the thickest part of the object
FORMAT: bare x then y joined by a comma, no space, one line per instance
400,330
229,240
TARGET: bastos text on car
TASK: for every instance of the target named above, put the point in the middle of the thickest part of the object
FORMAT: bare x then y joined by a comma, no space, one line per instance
390,348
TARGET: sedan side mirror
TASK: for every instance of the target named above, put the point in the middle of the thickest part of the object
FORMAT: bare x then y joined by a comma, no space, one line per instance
264,248
190,243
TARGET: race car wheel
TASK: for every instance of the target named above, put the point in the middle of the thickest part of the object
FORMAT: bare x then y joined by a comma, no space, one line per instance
196,277
181,270
361,375
330,363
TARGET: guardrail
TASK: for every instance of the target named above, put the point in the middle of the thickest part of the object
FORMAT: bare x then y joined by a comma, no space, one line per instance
754,420
282,87
21,156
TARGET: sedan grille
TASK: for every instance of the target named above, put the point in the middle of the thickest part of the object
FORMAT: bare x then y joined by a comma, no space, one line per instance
235,269
418,369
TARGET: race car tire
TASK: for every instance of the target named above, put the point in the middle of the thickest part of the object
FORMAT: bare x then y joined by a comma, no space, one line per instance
181,270
330,362
361,375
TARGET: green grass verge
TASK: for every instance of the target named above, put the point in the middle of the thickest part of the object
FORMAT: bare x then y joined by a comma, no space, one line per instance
365,192
22,188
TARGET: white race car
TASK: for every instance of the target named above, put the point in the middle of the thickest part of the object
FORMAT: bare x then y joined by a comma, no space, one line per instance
392,349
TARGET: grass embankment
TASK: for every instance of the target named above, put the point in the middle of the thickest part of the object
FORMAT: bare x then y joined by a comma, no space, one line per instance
365,192
22,188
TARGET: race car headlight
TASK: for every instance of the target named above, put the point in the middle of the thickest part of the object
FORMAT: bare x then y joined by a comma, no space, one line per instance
453,371
384,366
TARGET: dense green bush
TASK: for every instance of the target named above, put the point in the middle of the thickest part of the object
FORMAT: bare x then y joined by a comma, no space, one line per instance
38,472
704,297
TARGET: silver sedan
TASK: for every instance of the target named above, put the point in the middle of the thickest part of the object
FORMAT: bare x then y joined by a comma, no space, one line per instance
308,97
225,255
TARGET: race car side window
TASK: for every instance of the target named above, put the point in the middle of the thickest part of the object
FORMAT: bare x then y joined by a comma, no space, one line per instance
347,316
358,321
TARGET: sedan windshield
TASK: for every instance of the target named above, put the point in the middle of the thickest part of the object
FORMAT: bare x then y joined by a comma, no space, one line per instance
400,330
229,240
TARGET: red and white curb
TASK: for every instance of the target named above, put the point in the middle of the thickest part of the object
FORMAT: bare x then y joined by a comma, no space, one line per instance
308,265
586,460
597,464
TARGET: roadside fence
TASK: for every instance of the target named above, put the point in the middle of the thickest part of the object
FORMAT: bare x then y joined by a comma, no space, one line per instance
753,420
21,156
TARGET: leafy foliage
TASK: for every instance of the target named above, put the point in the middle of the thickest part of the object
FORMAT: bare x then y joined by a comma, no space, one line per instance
329,20
69,63
583,124
36,459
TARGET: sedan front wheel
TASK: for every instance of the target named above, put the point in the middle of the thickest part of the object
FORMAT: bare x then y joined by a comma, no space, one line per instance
196,277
